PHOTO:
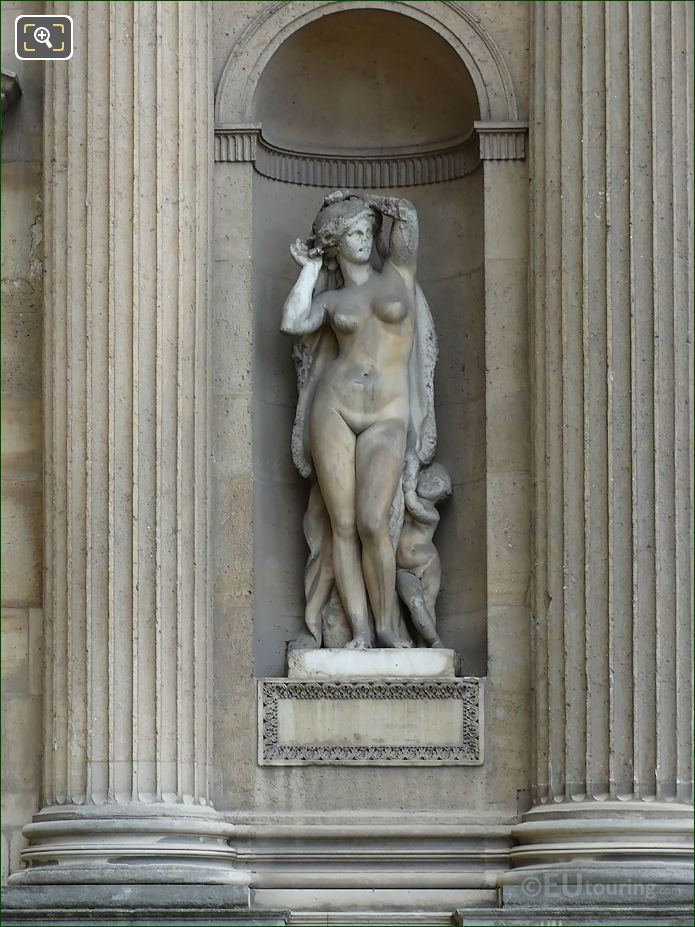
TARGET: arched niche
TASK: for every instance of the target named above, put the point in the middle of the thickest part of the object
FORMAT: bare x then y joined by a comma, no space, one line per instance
370,81
460,28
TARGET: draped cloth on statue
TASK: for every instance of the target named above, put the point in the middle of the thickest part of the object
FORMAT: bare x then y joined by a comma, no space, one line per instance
312,355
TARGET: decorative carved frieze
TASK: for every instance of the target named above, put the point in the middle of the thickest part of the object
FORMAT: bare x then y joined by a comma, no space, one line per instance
400,168
404,169
290,735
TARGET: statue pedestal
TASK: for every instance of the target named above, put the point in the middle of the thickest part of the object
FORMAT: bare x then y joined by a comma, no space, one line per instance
371,708
375,663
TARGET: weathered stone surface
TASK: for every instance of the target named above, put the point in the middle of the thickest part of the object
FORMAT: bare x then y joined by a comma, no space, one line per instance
15,649
612,317
22,434
616,915
133,904
22,542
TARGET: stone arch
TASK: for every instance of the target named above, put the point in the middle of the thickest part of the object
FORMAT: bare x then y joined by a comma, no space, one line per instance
277,21
451,211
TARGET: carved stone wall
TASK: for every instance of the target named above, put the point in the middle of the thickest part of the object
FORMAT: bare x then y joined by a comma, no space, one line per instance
22,471
127,685
612,334
148,221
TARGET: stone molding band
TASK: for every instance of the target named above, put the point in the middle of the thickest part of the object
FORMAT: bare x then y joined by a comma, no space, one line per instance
405,170
497,141
104,842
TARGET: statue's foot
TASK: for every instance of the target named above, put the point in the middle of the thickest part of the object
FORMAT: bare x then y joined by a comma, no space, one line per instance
391,639
304,641
359,642
437,643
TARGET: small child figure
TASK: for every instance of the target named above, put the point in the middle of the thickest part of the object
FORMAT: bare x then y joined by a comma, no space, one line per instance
418,569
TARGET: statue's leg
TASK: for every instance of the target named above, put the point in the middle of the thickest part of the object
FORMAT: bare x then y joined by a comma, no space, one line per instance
431,581
333,450
379,461
411,591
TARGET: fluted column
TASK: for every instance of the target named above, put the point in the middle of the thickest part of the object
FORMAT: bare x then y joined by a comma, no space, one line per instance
127,688
611,148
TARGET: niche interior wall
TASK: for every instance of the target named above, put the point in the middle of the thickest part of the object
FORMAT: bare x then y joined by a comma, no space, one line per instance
415,99
337,96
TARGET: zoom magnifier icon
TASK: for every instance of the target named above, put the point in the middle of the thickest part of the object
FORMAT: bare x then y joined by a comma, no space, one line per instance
43,38
42,35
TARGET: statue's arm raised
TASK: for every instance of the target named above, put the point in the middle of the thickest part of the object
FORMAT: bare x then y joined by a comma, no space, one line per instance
303,312
403,241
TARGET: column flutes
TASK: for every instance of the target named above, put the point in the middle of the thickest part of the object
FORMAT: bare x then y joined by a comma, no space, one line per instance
127,689
611,340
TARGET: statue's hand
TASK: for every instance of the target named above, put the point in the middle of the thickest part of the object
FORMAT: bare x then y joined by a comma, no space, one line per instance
337,196
303,255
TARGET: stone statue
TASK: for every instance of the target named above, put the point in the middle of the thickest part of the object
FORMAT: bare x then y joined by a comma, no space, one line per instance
365,423
418,570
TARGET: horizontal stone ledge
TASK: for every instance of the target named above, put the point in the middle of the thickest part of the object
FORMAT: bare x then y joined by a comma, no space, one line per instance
109,905
369,827
608,916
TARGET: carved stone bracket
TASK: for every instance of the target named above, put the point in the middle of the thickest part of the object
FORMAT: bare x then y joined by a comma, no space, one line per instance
236,143
399,168
502,141
363,722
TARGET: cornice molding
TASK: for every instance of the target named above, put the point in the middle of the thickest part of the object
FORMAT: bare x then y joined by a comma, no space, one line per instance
400,168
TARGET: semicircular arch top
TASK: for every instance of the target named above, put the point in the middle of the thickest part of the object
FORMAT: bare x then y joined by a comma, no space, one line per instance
460,28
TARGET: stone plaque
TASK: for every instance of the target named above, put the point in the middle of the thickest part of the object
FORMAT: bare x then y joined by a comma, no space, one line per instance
382,722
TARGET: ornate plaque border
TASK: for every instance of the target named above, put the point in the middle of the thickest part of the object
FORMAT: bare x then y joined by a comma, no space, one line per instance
468,690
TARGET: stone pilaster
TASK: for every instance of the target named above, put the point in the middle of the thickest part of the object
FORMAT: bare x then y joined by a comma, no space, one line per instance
128,151
611,147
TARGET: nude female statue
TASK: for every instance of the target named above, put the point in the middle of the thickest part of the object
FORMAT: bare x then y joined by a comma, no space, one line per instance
365,422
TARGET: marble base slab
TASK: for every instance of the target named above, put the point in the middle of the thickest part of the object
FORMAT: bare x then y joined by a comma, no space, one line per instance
371,664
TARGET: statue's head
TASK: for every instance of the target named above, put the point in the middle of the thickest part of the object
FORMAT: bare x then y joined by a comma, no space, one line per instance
346,228
434,483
